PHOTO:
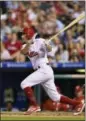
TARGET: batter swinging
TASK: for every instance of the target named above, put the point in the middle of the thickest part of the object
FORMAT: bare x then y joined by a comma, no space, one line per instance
36,49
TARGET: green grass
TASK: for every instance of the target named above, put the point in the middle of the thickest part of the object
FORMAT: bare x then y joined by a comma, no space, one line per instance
81,118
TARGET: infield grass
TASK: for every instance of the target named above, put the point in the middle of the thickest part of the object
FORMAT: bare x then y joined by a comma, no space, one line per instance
43,118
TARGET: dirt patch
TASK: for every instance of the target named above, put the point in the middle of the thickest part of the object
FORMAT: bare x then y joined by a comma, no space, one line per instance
43,113
58,116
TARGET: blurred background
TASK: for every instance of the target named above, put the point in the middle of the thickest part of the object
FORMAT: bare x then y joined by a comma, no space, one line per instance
67,57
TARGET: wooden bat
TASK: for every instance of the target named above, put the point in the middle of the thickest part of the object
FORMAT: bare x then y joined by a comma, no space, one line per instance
68,26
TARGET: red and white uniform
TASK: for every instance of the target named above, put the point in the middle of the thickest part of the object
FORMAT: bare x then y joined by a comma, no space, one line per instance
37,53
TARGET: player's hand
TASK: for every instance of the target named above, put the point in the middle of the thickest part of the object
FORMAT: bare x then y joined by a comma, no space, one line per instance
30,42
49,48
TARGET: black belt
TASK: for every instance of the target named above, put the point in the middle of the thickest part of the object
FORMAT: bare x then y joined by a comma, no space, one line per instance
40,67
47,63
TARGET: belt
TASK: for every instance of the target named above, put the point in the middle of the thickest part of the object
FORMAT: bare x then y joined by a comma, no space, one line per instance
40,67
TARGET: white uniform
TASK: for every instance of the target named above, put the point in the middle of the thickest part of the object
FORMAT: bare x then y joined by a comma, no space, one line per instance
37,54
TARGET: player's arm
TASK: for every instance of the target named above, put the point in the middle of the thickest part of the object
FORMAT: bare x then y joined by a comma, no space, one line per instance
25,48
48,46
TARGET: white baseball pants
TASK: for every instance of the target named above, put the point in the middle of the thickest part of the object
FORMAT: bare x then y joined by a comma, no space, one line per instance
44,76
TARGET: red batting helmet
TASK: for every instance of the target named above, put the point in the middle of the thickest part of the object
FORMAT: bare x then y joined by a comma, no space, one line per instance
29,32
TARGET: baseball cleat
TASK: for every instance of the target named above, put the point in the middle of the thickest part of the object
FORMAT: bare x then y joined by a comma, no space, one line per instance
32,109
79,109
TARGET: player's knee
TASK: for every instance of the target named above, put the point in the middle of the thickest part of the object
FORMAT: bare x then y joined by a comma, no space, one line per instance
22,85
56,98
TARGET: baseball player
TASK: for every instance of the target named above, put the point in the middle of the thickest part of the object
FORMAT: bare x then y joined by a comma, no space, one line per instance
36,49
79,96
56,106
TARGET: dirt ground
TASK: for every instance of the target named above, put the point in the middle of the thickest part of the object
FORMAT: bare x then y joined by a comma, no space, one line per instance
42,113
42,116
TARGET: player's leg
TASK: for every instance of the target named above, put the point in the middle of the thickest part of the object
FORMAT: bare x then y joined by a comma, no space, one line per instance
33,79
51,90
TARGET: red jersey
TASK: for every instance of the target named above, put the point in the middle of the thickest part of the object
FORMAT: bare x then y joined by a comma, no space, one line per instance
13,47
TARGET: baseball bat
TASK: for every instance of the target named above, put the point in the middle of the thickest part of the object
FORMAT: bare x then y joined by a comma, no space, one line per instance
69,25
